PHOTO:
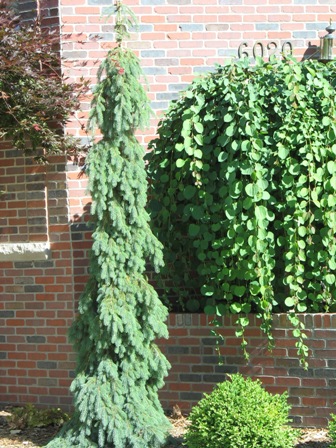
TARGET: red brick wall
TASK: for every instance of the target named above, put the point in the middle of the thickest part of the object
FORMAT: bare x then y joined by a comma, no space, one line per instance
37,365
23,199
178,39
36,290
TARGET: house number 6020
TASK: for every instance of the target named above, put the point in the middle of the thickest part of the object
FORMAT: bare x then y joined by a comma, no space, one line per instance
261,50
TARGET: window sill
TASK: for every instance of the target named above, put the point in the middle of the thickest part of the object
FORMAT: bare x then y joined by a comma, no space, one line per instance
24,251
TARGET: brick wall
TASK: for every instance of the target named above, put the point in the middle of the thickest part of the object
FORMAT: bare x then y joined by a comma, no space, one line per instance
23,199
37,365
38,292
36,288
179,39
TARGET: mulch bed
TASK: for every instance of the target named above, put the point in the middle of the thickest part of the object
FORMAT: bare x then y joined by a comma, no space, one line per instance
39,437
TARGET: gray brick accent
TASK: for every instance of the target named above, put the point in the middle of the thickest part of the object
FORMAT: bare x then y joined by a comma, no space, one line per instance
44,264
217,27
190,378
58,194
47,365
317,26
36,339
179,2
23,264
267,26
325,373
213,378
191,27
309,373
6,314
210,360
37,221
227,369
203,69
153,2
24,280
102,36
167,96
99,2
230,2
209,341
176,350
166,62
34,288
154,71
191,396
153,53
304,34
178,87
78,54
228,52
332,363
106,10
48,382
161,105
35,186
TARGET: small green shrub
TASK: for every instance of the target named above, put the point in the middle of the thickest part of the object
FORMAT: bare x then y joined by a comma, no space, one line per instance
332,430
31,417
240,414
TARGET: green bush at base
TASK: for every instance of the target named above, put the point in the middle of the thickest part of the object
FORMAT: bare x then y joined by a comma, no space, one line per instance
332,430
241,414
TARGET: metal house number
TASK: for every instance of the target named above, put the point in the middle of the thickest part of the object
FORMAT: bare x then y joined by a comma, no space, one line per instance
261,50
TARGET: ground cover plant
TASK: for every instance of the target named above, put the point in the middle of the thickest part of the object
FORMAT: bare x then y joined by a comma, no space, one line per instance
239,413
243,182
119,368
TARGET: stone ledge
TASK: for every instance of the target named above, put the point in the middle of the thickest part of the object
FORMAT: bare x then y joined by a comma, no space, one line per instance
25,251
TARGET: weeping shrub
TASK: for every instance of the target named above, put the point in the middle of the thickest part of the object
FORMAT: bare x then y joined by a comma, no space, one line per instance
243,180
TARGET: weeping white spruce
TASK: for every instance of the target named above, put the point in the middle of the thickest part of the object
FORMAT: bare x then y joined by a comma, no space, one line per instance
120,368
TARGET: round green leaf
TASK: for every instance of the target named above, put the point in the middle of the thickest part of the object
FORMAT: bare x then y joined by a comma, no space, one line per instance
260,212
251,190
189,191
194,230
289,302
180,163
199,127
210,310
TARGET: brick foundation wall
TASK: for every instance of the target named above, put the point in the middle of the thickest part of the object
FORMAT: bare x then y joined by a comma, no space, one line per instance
37,362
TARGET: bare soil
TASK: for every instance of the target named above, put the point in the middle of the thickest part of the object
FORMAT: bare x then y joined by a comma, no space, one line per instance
39,437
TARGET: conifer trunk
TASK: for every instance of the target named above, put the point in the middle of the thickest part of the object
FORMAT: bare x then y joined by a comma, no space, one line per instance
120,368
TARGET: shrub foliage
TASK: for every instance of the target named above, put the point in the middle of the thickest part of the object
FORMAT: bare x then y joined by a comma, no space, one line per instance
243,181
35,100
332,430
240,414
31,417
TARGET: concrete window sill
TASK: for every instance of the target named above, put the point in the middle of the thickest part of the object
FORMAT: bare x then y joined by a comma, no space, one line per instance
24,251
